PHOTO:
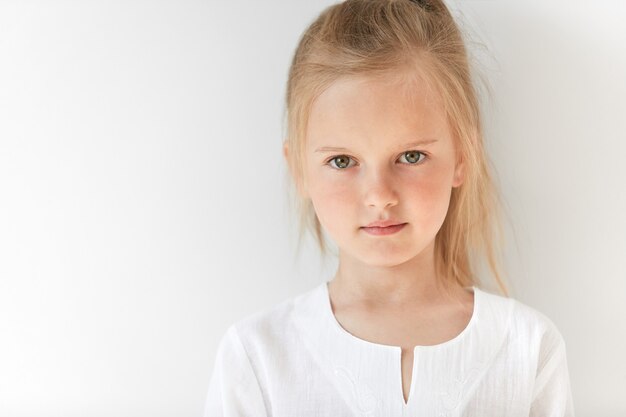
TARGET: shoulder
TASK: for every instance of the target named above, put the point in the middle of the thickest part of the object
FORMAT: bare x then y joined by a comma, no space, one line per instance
526,324
271,327
536,323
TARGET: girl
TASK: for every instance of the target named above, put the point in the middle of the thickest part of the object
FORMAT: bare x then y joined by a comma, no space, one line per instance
385,148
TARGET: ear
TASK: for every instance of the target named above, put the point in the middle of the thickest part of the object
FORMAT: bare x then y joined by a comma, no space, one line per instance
299,186
459,173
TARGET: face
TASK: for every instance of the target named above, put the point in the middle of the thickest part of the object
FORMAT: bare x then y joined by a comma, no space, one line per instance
380,149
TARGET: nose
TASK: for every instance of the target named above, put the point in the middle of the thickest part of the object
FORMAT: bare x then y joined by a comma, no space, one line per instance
379,190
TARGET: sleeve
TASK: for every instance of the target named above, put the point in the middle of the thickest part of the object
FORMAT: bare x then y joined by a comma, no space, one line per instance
552,395
233,388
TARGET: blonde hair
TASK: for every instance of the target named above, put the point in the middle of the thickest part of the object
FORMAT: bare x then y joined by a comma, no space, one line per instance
377,38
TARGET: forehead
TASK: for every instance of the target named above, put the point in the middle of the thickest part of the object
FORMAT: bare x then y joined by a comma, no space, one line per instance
386,109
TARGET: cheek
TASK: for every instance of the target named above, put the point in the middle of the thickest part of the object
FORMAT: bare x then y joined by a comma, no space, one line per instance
428,197
334,202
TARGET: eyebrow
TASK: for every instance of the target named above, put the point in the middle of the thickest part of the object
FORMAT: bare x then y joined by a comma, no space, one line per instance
406,145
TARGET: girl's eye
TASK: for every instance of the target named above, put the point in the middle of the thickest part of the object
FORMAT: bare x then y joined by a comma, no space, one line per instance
413,158
342,161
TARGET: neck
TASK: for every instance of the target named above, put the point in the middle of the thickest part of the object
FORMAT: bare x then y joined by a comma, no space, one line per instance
408,284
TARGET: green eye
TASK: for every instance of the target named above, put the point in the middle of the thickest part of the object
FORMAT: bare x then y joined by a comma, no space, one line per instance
342,161
414,156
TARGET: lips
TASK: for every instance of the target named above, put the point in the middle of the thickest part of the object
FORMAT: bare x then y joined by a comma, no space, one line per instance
383,231
385,223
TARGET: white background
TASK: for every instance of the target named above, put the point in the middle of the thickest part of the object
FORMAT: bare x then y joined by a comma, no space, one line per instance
142,191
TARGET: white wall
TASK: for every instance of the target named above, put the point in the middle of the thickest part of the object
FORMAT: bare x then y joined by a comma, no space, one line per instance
142,200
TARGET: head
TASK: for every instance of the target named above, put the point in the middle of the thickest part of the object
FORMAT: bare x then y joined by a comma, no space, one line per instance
372,77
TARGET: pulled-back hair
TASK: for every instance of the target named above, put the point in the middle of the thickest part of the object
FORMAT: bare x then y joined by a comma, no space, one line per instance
376,38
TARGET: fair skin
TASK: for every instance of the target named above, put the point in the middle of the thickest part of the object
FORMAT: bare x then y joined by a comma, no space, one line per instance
385,290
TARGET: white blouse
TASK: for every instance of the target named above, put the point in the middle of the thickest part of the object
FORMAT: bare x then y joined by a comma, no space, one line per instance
295,360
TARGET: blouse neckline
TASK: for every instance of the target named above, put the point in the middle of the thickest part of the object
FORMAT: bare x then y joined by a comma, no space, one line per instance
350,338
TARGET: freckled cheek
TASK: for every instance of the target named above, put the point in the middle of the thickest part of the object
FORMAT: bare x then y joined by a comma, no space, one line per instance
424,190
334,202
428,198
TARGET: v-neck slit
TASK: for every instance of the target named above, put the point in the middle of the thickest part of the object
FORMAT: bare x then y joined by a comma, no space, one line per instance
412,386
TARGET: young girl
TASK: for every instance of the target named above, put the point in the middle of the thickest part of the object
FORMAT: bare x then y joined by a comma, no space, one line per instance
385,148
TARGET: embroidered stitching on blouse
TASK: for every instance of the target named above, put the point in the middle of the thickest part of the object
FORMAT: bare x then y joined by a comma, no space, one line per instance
450,399
364,397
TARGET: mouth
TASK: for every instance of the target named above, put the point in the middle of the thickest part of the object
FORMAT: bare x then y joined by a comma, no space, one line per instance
386,230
